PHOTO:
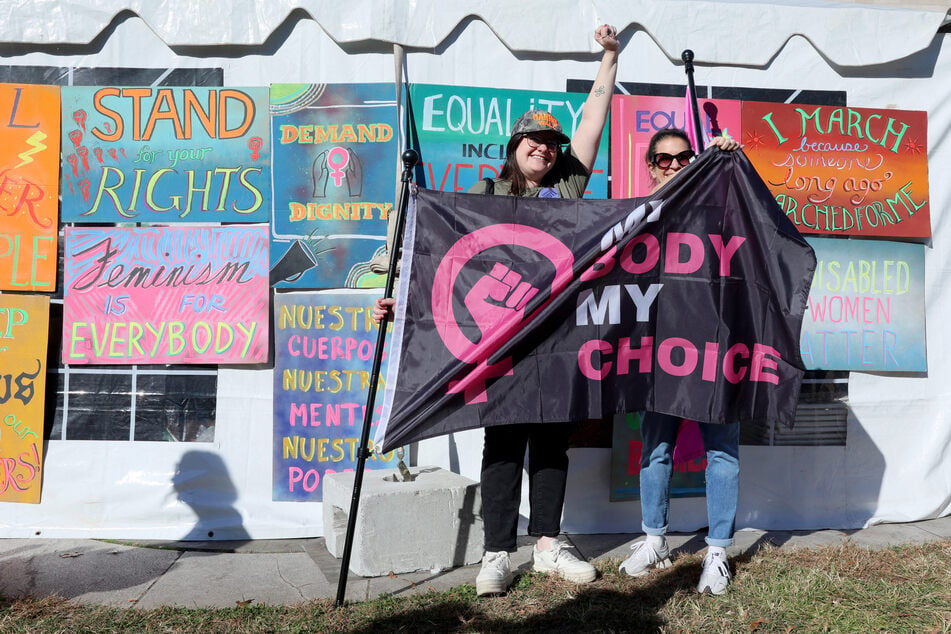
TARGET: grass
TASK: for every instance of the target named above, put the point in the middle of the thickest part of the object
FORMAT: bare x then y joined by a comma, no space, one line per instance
844,588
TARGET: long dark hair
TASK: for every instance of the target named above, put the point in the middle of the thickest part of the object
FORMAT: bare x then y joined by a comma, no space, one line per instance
511,173
660,135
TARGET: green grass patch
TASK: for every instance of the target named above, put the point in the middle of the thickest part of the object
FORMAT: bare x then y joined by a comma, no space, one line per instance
844,588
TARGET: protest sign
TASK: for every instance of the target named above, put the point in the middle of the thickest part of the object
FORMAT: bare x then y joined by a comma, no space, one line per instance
866,307
29,169
166,295
323,354
24,331
163,154
336,150
462,132
835,170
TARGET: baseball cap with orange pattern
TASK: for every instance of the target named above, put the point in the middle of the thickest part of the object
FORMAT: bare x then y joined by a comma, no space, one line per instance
539,121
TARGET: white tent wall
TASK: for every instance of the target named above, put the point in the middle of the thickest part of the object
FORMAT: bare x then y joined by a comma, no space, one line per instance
895,466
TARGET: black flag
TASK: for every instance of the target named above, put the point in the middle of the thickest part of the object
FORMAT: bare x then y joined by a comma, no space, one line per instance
520,310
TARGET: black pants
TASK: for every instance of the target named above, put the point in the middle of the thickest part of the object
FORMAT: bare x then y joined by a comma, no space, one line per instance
502,459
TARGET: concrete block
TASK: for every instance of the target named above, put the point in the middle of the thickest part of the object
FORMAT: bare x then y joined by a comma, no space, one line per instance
432,522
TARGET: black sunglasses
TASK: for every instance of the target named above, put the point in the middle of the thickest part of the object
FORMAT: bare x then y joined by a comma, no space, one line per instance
663,160
535,140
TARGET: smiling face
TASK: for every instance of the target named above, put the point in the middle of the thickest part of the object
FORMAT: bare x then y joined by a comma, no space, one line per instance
535,156
673,146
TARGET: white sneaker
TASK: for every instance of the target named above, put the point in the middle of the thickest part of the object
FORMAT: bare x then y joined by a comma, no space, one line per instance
715,576
563,563
496,575
644,557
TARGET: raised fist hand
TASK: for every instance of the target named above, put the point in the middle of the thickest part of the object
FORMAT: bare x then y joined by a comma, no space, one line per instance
606,36
498,296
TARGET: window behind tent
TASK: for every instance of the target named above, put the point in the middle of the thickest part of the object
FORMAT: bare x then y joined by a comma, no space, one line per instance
171,403
821,415
821,418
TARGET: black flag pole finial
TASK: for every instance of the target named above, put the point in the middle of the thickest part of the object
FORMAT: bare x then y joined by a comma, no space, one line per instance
687,57
409,157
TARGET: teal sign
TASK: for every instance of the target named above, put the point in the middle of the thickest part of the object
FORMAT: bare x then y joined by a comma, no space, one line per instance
866,307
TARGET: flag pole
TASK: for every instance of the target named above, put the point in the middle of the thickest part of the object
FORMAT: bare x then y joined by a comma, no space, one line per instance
687,57
410,157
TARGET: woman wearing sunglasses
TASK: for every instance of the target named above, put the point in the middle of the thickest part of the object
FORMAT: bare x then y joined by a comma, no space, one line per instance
669,152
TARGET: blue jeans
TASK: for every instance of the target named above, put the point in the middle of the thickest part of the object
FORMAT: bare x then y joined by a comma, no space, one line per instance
722,442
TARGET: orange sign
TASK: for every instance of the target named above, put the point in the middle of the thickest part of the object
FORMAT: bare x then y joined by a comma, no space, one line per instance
29,186
24,331
843,171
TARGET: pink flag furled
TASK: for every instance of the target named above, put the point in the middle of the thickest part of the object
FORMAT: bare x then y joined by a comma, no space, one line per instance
690,122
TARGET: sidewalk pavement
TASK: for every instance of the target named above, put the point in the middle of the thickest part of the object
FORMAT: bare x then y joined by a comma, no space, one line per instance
289,571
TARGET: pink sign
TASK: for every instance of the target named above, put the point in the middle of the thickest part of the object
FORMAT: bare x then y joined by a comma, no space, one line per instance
166,295
635,119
